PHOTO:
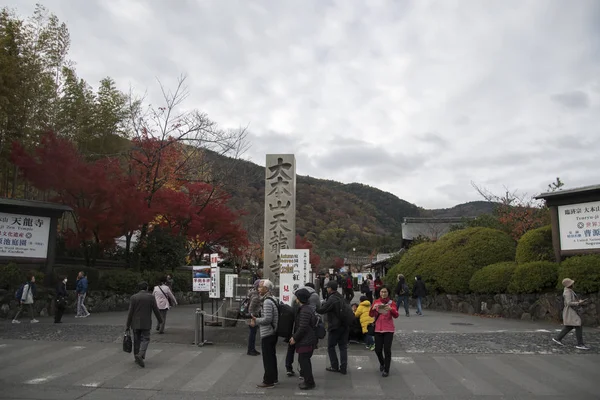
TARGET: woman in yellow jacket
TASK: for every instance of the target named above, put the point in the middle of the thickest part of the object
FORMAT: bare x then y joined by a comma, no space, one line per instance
362,313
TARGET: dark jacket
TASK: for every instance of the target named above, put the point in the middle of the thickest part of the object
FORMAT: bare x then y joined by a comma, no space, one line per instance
419,290
402,287
82,286
304,327
141,306
61,290
332,308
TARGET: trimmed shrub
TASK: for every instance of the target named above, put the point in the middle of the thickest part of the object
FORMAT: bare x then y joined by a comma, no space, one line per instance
182,281
11,276
536,245
584,270
493,279
409,264
71,271
534,277
458,255
121,281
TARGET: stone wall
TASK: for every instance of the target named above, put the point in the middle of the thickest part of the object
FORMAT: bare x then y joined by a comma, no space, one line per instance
543,306
96,301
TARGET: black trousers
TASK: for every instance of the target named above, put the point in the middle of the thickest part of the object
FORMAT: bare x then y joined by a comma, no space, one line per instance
269,355
306,367
58,313
383,349
578,334
289,357
141,340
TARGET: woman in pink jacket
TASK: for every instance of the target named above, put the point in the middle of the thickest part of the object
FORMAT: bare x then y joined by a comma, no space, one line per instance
383,310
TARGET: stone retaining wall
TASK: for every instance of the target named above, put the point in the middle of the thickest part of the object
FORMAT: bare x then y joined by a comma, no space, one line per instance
96,301
543,306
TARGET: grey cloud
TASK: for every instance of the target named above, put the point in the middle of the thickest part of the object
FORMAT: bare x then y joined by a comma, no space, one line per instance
575,99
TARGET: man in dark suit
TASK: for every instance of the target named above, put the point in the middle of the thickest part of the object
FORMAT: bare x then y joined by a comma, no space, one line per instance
141,307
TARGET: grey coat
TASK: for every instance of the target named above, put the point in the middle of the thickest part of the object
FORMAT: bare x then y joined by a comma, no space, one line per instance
269,317
570,316
141,307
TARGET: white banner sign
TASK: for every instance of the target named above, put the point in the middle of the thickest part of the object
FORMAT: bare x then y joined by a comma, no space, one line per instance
229,282
579,226
201,278
24,236
215,283
293,272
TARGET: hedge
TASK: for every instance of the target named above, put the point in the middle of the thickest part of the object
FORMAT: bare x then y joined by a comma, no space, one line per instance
12,276
534,277
493,279
536,245
584,270
409,264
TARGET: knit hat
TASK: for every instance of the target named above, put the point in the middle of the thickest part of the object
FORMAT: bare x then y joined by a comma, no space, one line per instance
333,285
567,282
363,298
302,295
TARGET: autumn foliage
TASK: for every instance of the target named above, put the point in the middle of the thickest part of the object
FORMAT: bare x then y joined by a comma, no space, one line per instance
112,197
302,243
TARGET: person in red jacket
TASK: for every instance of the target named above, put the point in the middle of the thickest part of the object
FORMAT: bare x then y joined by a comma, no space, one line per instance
383,310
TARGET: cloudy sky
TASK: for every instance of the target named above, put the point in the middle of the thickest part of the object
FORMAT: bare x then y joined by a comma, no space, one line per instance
418,98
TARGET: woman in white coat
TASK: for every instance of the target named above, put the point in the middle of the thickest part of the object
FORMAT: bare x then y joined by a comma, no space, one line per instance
164,300
571,319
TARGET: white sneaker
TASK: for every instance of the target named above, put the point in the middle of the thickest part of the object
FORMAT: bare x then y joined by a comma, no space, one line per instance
34,321
16,321
582,347
558,342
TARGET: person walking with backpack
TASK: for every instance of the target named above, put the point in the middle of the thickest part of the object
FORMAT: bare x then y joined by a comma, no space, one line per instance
571,318
165,300
402,294
383,310
268,320
61,300
305,339
338,329
419,291
25,296
253,309
81,289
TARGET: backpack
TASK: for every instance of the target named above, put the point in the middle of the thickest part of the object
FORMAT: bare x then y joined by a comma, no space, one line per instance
346,314
285,324
364,287
244,306
349,284
19,292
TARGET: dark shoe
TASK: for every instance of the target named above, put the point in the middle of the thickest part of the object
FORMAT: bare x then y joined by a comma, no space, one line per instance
385,374
290,372
332,369
381,368
408,315
140,361
265,385
253,353
343,371
161,333
304,386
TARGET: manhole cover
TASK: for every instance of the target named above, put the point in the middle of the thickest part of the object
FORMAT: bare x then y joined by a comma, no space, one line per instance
460,323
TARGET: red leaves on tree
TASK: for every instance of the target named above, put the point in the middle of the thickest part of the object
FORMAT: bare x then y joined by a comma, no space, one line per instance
302,243
521,218
338,263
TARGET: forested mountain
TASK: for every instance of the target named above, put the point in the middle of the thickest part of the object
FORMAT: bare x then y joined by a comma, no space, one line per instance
337,217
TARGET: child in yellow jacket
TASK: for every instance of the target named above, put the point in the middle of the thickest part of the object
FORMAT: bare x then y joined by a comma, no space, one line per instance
362,313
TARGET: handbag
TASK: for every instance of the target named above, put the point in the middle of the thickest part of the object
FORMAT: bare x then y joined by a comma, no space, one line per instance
168,298
127,342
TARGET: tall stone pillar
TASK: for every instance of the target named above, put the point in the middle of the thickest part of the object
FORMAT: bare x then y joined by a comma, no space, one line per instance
280,210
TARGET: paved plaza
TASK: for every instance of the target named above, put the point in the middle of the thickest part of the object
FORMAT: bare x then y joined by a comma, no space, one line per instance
437,356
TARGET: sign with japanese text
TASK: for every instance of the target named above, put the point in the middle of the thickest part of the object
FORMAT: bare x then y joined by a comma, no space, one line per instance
229,283
293,273
214,260
579,226
280,210
201,278
24,236
215,283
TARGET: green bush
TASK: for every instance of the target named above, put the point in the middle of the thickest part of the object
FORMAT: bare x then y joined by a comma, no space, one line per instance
71,271
121,281
11,276
536,245
534,277
493,279
458,255
584,270
182,281
409,264
153,277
